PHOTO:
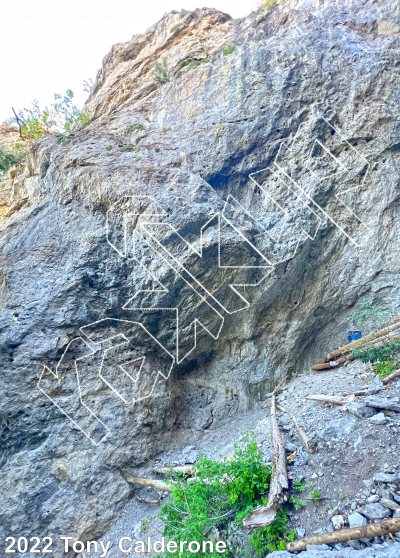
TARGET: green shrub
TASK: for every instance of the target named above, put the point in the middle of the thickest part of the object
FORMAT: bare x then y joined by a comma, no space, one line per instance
219,497
297,504
137,127
161,72
193,65
373,354
12,154
228,49
315,494
62,115
7,160
268,3
129,147
385,368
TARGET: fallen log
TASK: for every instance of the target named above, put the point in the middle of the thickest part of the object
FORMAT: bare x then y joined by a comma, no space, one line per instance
331,364
350,534
335,400
359,343
304,437
157,485
185,469
391,377
263,516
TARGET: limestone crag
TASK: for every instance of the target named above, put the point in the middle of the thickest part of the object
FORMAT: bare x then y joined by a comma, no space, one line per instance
152,206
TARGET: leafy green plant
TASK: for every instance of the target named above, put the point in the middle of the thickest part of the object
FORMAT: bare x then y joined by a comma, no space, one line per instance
137,127
129,147
380,354
228,49
342,496
165,130
315,494
161,72
138,159
385,368
298,486
221,493
7,160
62,116
192,65
145,523
268,3
12,154
297,503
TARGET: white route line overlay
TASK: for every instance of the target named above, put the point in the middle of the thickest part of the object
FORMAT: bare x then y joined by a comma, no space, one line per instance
57,377
269,267
308,197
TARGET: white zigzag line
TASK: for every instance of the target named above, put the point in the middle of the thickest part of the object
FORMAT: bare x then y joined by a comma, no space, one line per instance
56,376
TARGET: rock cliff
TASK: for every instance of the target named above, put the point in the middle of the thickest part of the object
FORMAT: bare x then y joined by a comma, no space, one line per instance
234,199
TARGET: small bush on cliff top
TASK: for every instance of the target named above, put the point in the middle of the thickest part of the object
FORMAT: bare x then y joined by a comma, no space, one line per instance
7,160
212,506
60,116
267,3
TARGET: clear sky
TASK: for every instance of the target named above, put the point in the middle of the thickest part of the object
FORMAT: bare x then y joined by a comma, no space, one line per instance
49,46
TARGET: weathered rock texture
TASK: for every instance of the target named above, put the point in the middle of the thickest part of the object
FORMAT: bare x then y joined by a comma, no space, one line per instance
190,141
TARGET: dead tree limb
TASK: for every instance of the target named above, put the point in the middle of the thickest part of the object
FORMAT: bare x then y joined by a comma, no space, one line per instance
18,122
185,469
263,516
157,485
391,377
367,531
303,435
335,400
143,501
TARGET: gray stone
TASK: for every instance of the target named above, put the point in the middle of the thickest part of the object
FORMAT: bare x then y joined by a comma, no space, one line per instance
376,386
357,520
338,428
387,478
338,521
396,513
360,410
376,511
369,483
390,504
373,499
378,419
300,532
355,544
317,547
383,403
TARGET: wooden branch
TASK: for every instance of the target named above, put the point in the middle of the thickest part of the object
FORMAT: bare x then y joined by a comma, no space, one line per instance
18,122
335,400
303,435
263,516
367,531
157,485
139,499
185,469
391,377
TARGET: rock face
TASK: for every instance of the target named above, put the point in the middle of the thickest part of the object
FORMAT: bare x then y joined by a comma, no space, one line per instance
150,214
